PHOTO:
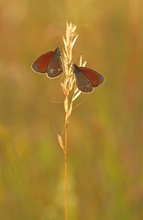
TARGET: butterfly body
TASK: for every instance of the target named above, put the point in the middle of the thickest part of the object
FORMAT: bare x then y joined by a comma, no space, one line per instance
86,78
49,63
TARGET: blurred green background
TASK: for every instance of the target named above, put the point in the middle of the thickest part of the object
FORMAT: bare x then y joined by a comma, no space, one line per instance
106,130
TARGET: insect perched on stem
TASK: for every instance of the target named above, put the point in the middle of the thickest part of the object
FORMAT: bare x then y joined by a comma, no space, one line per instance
49,63
87,79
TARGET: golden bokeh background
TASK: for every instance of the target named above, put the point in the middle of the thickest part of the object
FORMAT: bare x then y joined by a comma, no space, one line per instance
105,131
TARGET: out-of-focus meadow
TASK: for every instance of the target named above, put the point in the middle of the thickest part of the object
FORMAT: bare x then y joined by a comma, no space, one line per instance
106,130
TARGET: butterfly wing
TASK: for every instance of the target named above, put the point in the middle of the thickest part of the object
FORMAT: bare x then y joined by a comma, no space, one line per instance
41,63
94,77
87,78
82,82
54,68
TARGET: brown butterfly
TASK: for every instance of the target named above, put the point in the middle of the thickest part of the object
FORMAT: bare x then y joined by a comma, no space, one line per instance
87,79
49,63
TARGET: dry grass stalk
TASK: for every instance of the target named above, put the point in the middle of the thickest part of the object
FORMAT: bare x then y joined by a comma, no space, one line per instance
69,80
71,94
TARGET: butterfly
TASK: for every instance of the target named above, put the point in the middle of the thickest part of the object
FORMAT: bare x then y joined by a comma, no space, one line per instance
87,79
49,63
